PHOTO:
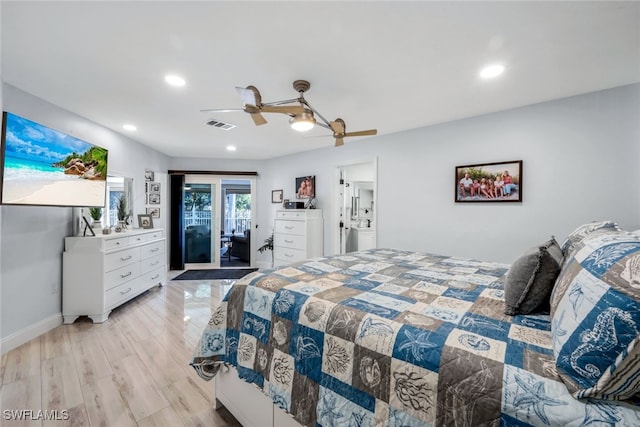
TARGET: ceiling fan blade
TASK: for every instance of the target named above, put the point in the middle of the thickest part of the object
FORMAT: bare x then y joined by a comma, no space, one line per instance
339,141
258,119
222,110
285,109
362,132
249,95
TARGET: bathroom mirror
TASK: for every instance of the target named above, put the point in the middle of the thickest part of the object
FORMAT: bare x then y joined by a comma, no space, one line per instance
362,200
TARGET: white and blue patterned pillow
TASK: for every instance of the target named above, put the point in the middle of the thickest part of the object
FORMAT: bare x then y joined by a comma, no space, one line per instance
576,236
595,310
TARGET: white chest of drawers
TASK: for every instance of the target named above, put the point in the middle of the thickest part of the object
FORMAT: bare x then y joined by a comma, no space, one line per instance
298,235
102,272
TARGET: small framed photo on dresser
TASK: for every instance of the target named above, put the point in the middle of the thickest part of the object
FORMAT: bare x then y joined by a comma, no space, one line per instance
145,221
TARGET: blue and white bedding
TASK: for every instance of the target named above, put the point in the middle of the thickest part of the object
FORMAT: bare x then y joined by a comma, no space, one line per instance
395,338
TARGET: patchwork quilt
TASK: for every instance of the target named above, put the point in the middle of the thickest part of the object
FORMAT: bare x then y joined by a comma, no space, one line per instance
394,338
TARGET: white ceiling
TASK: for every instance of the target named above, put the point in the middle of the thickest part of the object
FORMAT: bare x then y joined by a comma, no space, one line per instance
387,65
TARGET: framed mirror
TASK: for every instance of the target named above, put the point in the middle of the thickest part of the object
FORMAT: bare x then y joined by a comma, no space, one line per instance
117,187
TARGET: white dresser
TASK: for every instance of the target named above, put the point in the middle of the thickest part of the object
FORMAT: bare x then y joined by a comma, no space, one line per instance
102,272
298,235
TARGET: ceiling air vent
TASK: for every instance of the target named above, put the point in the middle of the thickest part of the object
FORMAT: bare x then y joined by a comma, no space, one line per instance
218,124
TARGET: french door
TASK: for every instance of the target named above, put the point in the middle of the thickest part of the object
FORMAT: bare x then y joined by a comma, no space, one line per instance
200,223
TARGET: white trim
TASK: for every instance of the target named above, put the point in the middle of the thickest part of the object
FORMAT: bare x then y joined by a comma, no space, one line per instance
24,335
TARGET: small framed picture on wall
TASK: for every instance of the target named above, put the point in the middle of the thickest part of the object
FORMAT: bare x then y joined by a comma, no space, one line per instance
154,212
153,198
276,196
153,187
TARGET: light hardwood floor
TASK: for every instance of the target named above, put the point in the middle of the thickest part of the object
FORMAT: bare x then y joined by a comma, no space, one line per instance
132,370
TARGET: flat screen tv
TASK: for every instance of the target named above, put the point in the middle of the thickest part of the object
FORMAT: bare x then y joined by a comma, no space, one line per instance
306,187
42,166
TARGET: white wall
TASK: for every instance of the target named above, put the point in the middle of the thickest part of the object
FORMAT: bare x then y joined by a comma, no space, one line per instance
32,237
580,158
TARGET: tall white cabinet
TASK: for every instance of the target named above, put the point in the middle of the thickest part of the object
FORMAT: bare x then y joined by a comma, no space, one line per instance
298,235
101,272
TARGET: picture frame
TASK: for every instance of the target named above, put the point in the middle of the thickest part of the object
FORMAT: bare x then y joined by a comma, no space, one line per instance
276,196
153,187
145,221
306,187
485,182
148,175
154,212
153,198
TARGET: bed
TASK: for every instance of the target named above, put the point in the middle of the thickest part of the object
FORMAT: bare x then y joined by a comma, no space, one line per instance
388,337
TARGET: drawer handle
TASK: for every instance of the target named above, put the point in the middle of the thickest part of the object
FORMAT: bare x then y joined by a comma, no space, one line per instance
288,227
138,239
122,276
154,263
125,292
155,250
288,241
155,277
117,243
126,258
288,255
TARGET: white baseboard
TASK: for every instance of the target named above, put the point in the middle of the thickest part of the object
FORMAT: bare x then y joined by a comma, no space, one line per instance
24,335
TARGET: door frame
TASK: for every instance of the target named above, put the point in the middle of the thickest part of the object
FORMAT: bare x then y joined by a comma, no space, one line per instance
216,200
339,203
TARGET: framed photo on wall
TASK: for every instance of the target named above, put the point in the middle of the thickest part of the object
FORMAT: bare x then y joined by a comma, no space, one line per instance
154,212
153,187
153,198
489,182
276,196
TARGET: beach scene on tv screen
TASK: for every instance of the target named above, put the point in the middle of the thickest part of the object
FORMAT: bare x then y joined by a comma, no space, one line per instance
43,166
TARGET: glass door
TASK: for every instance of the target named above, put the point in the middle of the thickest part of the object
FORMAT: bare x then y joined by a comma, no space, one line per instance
201,199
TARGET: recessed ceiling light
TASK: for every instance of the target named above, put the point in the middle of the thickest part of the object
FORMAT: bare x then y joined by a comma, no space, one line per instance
492,71
174,80
129,127
231,148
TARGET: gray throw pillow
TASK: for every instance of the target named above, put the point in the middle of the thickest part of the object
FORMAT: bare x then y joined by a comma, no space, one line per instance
531,277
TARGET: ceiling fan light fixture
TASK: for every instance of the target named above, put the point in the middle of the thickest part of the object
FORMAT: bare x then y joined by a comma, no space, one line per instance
302,122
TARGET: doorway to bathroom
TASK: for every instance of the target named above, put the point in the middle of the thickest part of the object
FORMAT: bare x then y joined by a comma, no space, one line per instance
357,207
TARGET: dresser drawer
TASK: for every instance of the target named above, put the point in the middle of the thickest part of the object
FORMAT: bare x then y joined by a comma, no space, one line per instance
121,275
121,258
292,214
147,237
115,296
152,249
115,243
288,255
290,227
153,277
292,241
152,263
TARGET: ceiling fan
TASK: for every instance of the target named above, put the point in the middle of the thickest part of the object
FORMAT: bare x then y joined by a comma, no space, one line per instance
303,115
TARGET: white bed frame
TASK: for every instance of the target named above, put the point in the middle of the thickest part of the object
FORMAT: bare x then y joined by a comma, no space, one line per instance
247,403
